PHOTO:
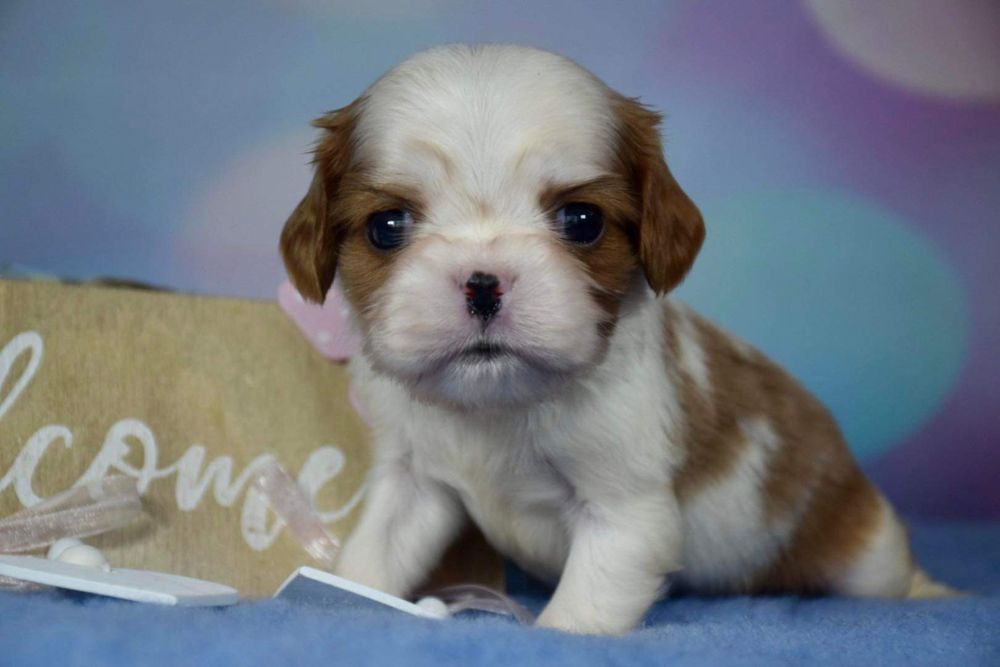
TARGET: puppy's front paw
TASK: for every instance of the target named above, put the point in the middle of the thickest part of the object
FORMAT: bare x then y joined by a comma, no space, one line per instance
582,622
355,566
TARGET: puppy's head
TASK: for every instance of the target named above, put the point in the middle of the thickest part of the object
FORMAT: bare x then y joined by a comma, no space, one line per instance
489,210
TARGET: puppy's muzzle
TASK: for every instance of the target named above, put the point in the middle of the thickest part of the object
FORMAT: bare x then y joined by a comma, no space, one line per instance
482,295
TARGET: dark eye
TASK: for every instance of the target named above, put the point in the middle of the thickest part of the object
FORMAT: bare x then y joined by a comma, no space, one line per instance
580,223
389,229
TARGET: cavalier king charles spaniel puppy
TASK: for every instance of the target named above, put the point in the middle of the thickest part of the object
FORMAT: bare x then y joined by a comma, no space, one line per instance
507,234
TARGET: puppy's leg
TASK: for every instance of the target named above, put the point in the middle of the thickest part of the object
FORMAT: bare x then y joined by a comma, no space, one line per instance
618,559
407,523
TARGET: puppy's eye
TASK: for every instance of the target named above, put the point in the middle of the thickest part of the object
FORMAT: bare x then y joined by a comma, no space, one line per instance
389,229
580,223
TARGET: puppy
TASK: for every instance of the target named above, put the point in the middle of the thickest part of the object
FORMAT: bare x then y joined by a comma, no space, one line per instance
506,228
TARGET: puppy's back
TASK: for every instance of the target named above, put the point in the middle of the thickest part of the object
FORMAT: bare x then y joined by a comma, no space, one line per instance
772,499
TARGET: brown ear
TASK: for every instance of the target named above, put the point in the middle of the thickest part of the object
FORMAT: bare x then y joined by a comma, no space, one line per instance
311,237
670,230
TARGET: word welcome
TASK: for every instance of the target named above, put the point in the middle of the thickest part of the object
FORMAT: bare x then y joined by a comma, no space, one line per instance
193,475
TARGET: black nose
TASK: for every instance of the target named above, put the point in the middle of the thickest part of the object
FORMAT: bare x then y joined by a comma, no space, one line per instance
482,294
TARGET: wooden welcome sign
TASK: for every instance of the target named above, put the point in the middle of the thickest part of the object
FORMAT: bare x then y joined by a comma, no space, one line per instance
189,395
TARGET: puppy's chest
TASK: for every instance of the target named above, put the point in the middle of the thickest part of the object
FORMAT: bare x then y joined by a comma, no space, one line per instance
512,488
495,468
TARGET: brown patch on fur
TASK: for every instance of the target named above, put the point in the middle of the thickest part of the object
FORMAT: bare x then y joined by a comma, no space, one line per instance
649,221
610,261
836,526
364,268
483,208
327,231
811,480
668,232
311,238
712,437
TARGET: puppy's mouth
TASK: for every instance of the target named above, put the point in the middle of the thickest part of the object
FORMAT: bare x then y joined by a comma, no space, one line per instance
485,351
484,372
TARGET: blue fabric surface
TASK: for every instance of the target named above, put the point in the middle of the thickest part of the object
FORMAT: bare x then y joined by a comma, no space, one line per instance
50,628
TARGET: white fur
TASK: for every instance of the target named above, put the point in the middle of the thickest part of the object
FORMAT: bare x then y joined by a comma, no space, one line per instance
565,453
691,356
578,484
506,118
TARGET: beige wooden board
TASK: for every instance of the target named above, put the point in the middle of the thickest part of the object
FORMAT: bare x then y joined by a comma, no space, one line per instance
184,393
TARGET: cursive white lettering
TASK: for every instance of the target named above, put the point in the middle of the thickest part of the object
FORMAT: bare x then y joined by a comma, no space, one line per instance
193,475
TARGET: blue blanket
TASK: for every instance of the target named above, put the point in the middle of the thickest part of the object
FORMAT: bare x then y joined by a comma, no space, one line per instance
51,628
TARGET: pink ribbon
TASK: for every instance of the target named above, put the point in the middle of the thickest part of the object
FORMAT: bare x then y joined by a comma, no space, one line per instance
475,597
326,325
292,506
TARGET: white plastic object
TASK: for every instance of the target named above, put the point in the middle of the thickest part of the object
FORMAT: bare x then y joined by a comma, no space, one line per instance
72,550
434,606
312,586
135,585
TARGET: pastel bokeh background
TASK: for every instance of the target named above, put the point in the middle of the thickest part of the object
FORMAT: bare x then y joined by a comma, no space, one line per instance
846,155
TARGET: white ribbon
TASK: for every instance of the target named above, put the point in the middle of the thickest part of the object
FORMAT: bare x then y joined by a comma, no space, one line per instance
82,511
